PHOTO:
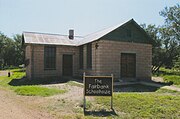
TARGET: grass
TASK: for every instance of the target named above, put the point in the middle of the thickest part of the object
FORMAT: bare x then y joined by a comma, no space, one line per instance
162,103
172,78
163,71
163,90
169,75
17,74
28,90
144,105
73,83
37,91
135,88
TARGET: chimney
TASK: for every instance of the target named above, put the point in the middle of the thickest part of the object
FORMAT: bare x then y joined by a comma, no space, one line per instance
71,34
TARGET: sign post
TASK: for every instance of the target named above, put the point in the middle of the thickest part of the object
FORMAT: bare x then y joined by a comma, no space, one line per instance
98,86
84,91
112,92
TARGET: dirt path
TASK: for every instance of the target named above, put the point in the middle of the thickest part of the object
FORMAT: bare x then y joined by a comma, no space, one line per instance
74,93
157,79
15,107
3,73
171,87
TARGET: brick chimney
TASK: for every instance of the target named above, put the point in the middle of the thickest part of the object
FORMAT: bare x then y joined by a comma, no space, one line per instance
71,34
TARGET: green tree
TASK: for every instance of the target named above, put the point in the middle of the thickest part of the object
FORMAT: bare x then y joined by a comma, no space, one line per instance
170,34
19,52
8,52
166,39
11,51
2,37
172,21
157,50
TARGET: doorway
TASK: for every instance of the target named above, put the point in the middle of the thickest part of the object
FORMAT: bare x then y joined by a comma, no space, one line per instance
67,65
128,65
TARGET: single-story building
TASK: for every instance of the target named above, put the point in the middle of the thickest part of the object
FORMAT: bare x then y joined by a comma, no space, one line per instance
123,50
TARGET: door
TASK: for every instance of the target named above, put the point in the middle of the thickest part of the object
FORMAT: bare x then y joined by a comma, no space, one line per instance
67,65
128,65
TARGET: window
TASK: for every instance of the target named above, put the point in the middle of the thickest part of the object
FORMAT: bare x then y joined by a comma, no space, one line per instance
89,56
49,57
81,57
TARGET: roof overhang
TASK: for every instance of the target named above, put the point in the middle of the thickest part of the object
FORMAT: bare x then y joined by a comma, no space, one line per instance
56,39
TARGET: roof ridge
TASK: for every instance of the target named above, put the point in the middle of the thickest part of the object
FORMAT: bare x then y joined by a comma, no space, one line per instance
81,40
110,27
89,38
50,34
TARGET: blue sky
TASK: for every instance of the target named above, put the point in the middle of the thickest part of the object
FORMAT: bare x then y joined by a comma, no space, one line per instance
84,16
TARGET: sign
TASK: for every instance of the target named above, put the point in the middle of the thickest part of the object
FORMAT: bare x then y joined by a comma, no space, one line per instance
98,86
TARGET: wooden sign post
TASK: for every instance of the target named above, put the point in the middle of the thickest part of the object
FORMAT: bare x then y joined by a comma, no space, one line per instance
98,86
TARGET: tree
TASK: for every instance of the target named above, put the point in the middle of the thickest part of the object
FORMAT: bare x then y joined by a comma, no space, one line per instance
2,37
166,39
11,51
170,34
157,51
19,54
8,52
177,63
172,21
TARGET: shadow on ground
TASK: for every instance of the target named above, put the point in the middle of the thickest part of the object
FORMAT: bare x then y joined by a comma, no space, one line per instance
135,88
100,113
132,87
24,81
140,87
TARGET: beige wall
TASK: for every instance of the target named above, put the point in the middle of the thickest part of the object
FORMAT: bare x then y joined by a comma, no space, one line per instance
28,57
107,58
38,69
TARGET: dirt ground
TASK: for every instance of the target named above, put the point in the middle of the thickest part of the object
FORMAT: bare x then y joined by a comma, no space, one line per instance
74,93
69,103
171,87
157,79
14,106
19,107
3,73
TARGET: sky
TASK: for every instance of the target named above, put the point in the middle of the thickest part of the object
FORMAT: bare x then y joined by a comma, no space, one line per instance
84,16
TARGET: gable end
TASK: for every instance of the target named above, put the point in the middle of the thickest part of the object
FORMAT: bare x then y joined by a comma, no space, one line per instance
128,32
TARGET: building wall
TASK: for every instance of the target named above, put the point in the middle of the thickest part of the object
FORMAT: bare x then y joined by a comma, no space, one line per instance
28,61
107,58
122,34
94,61
37,61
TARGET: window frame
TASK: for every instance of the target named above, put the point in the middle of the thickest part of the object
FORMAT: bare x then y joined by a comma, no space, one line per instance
49,54
81,57
89,56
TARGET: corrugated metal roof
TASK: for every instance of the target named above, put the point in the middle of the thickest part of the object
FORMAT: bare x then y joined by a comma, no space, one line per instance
53,39
95,36
56,39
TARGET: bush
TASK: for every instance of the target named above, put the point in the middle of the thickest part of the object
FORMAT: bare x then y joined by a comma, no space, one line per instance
172,78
